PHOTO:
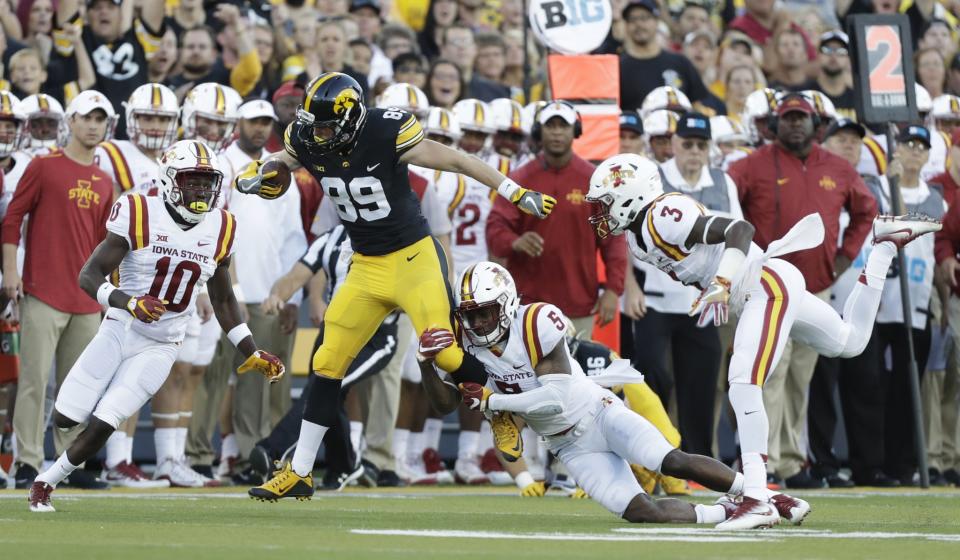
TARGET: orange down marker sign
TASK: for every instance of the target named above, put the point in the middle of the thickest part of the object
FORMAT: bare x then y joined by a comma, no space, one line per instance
884,58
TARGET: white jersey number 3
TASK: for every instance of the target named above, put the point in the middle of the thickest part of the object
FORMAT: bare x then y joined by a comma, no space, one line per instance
363,198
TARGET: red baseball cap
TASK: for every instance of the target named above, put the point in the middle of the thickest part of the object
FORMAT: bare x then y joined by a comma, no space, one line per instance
288,89
795,103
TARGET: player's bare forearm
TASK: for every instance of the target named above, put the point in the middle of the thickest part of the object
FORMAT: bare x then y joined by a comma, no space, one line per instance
292,163
435,155
225,305
443,396
711,230
101,264
292,281
557,361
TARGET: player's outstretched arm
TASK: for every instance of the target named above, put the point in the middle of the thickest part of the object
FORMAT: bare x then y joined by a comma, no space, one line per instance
711,230
227,310
102,262
443,395
551,397
435,155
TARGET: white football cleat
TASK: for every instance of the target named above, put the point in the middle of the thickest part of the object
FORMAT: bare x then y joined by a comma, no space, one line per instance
412,469
126,475
901,230
467,471
39,498
179,475
750,514
791,509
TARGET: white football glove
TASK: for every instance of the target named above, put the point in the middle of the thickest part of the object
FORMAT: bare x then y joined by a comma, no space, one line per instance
713,303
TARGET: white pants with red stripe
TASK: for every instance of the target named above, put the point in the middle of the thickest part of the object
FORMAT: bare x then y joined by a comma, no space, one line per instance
778,306
118,372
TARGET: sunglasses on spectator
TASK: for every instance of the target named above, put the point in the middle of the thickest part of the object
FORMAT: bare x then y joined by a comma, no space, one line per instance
842,51
701,145
915,145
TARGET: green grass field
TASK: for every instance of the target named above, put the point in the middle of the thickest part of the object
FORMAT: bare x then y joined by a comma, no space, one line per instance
456,523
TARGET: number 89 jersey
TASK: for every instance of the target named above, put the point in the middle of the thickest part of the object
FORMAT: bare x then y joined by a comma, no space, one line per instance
166,261
369,185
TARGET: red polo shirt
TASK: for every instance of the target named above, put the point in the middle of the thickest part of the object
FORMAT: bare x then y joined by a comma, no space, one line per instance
566,274
777,189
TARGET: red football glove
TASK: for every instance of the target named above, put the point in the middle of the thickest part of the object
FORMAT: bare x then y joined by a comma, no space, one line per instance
432,341
475,395
147,308
265,363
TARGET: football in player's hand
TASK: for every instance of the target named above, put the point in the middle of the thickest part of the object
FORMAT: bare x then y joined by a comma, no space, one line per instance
276,179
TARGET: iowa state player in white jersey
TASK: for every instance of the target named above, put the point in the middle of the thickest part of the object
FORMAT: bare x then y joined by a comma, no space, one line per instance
167,248
679,236
531,374
151,120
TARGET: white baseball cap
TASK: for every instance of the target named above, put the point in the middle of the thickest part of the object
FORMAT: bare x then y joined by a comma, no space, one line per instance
558,109
90,100
256,109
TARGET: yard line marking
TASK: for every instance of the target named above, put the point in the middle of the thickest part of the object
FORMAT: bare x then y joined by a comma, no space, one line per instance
719,538
794,533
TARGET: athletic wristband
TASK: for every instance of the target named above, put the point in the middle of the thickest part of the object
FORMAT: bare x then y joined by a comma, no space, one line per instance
238,293
103,293
524,479
508,189
730,263
238,333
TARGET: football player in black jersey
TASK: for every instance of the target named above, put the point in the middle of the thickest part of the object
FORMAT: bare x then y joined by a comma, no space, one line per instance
359,156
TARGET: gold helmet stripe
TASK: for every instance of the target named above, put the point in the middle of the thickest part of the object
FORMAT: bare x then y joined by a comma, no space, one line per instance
478,117
157,99
444,120
42,101
314,87
515,117
466,292
221,103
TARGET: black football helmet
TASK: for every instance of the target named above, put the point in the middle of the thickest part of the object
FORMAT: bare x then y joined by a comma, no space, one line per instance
332,113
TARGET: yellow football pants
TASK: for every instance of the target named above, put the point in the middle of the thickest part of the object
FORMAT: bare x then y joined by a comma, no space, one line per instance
642,400
413,278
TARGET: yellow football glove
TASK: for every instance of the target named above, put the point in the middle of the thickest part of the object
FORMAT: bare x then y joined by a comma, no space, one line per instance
579,494
535,489
528,201
264,362
712,303
250,180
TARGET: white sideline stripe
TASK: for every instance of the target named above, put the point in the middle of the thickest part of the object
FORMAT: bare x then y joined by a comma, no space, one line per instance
88,494
794,533
718,538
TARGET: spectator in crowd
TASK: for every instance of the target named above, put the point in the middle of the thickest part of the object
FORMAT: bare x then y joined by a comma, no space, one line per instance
513,74
758,21
539,251
440,15
513,16
445,84
285,102
265,251
410,68
790,72
631,133
162,62
36,21
741,81
121,47
931,71
396,39
9,21
332,46
645,65
666,333
68,198
833,76
949,181
306,54
779,184
361,54
186,14
491,59
900,451
460,47
939,35
700,47
200,62
859,379
366,15
693,17
736,49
